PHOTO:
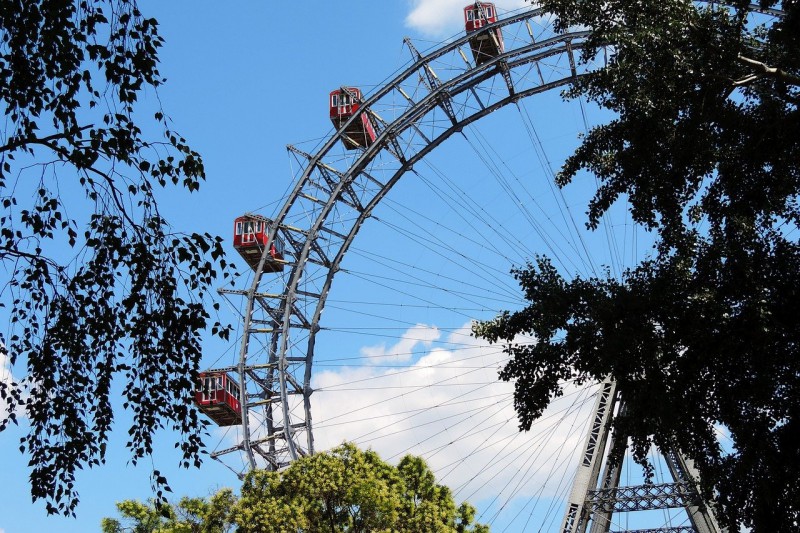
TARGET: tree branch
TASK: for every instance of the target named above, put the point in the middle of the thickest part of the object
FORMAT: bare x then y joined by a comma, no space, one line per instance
44,140
765,70
14,252
115,194
113,191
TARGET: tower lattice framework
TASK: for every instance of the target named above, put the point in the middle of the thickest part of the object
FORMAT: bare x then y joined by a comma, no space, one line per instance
595,498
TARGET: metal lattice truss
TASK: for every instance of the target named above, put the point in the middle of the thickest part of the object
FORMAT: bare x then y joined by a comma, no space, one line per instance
679,529
438,94
644,497
595,498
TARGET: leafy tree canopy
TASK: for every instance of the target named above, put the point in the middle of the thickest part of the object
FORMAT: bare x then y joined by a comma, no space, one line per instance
345,489
190,515
98,285
348,489
705,148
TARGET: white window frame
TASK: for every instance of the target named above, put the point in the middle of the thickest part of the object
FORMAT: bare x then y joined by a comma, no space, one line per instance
207,385
233,389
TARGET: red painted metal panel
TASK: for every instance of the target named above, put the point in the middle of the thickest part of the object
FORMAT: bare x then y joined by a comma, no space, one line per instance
217,398
344,103
250,236
475,20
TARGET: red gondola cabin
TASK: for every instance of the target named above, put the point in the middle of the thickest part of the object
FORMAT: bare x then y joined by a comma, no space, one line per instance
486,45
218,398
251,236
343,103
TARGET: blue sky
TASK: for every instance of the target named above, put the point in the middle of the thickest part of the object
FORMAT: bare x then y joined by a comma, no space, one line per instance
245,80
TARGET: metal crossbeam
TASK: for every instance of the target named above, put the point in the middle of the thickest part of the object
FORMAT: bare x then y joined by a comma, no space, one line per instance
434,83
679,529
297,243
395,149
506,73
643,497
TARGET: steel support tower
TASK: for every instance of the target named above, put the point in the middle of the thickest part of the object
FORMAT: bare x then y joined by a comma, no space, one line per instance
595,498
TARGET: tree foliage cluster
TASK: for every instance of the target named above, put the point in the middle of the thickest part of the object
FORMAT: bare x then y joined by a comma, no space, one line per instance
704,333
343,490
189,515
98,286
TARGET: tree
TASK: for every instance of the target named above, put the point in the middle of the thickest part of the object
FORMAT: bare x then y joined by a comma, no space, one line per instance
100,286
345,489
705,147
425,503
190,515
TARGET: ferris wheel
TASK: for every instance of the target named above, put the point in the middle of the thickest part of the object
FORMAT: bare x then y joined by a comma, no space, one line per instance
296,253
376,180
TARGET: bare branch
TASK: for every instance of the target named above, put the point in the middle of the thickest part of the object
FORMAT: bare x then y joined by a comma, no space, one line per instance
14,252
116,195
765,70
13,145
113,190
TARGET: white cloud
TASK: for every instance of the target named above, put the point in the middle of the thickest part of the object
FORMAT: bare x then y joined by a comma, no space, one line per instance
449,407
404,349
441,18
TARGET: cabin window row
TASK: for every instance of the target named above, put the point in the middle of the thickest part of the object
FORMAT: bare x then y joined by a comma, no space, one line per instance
475,14
212,384
338,99
247,227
